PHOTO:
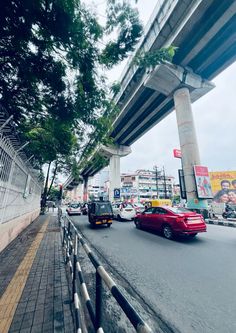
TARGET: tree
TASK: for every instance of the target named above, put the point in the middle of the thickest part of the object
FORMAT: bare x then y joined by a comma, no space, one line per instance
52,71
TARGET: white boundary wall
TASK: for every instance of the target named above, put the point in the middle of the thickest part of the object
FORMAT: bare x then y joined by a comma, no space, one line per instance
20,193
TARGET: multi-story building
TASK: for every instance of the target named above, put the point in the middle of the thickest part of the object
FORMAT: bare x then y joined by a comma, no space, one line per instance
96,184
146,184
136,186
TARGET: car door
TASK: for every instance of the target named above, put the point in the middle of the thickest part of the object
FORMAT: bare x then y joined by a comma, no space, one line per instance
115,209
146,218
158,218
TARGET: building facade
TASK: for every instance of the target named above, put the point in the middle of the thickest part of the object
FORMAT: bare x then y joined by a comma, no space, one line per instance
146,184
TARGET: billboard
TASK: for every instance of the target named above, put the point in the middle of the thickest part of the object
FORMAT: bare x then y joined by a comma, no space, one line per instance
202,182
223,185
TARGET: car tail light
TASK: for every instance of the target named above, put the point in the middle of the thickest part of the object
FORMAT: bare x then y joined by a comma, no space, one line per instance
180,220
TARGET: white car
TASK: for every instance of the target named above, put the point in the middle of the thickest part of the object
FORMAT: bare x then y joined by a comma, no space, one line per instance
139,208
74,209
123,211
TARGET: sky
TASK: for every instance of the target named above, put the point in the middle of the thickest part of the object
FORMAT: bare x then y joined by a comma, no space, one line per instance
215,122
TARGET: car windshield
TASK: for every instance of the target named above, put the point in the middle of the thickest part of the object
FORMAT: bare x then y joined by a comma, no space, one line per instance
74,205
139,205
179,210
103,208
127,205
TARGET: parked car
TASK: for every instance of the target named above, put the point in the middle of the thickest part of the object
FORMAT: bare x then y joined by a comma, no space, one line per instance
139,208
123,211
74,209
171,221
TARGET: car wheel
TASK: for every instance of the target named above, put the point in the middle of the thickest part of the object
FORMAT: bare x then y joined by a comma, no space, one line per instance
119,218
137,224
193,235
108,225
167,231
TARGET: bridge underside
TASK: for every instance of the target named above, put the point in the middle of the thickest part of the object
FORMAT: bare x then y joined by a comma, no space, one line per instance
206,44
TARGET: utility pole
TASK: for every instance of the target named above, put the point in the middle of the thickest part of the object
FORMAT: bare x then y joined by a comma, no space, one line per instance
155,169
164,183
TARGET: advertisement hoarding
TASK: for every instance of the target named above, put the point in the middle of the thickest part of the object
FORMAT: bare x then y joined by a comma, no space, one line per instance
203,184
223,185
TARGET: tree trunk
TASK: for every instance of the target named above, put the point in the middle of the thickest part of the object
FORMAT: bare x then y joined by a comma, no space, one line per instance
53,177
45,191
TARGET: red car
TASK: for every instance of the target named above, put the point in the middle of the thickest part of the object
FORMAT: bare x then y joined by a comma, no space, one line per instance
171,221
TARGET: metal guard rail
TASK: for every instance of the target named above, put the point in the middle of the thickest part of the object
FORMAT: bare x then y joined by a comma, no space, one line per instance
70,241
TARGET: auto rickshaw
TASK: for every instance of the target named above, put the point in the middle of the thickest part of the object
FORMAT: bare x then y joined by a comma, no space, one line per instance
100,212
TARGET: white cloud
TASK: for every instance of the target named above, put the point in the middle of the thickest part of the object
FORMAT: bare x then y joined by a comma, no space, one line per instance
215,121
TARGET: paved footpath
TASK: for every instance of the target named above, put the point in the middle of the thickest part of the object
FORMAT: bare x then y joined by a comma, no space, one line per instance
34,295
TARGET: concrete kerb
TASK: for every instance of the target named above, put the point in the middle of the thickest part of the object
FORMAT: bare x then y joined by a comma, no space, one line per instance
224,223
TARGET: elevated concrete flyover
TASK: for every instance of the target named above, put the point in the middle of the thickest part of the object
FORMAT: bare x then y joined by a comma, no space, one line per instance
102,156
204,31
205,34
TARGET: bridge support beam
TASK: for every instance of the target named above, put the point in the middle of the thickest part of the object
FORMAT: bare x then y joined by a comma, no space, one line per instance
186,87
189,146
85,194
114,153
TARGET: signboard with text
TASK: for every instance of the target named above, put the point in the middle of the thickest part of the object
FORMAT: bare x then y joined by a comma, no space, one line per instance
203,184
116,193
177,153
223,185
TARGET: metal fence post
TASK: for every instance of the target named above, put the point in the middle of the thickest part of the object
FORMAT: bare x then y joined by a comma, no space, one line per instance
74,267
98,305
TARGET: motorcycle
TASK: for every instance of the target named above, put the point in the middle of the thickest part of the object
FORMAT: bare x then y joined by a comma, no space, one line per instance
229,213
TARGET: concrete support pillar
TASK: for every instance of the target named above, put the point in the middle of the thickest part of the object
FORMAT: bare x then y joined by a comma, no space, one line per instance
85,194
75,193
114,175
80,191
114,153
189,146
169,80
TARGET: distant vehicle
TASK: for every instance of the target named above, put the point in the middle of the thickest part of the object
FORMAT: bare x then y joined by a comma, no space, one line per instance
100,212
171,221
230,212
139,208
123,211
157,202
74,209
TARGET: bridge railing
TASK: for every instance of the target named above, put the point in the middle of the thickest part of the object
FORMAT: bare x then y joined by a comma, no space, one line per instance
20,190
71,239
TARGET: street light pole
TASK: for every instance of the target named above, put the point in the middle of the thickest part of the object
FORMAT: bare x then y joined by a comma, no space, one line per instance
164,183
155,168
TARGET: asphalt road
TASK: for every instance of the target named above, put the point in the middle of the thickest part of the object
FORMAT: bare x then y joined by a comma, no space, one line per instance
189,283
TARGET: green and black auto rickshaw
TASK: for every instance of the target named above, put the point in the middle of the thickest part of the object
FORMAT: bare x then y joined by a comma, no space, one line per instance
100,213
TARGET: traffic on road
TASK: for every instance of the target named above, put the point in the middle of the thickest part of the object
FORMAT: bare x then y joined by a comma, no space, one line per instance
186,284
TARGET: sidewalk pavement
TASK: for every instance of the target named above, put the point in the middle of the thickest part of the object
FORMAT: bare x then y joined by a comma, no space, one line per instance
34,294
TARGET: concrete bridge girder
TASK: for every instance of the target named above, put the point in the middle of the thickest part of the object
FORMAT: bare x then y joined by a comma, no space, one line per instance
166,78
114,153
119,150
181,83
